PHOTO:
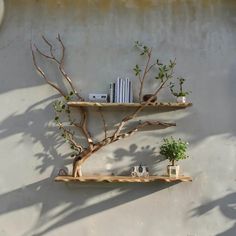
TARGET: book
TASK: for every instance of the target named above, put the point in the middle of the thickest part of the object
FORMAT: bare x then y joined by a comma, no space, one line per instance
123,90
117,90
111,93
130,92
120,90
127,90
114,91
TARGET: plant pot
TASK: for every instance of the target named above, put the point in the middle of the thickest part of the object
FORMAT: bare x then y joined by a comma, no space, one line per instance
181,99
173,171
147,96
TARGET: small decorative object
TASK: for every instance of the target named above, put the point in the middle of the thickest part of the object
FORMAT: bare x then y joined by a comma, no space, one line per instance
97,97
62,172
174,150
181,99
180,95
146,97
139,171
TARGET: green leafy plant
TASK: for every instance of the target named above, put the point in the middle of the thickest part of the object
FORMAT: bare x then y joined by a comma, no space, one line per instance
61,110
174,150
163,73
180,92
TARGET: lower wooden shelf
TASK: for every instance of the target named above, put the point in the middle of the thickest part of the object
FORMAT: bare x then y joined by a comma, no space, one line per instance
122,179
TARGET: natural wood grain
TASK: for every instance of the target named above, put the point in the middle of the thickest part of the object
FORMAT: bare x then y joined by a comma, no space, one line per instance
154,105
122,179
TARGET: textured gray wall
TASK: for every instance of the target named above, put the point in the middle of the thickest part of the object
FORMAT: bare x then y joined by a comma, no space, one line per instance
99,36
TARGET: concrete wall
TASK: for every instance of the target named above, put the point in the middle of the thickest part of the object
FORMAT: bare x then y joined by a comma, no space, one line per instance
99,36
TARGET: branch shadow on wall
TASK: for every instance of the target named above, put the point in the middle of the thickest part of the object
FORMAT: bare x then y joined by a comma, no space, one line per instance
146,155
62,204
72,199
226,205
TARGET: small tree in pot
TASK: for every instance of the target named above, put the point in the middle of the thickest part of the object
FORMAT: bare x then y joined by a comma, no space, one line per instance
180,94
174,150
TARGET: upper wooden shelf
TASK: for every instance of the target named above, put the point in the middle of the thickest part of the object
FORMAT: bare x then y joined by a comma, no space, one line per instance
122,179
163,105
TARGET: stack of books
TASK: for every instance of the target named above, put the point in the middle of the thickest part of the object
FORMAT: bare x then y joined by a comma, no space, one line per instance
121,91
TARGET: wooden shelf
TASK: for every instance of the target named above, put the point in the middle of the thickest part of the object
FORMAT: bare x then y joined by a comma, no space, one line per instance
167,105
122,179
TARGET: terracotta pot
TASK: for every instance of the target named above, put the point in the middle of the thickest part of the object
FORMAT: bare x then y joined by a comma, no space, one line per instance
147,96
173,171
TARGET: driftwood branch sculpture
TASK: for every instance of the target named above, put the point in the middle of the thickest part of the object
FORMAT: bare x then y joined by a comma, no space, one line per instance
82,152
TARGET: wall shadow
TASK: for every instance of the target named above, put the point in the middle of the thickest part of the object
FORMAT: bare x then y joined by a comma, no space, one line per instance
226,205
70,196
34,124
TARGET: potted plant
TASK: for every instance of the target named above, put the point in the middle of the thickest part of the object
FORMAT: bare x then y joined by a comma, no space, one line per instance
181,94
174,150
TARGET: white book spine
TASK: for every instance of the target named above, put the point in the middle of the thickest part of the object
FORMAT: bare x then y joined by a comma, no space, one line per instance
120,90
117,90
111,93
130,92
114,91
123,90
127,90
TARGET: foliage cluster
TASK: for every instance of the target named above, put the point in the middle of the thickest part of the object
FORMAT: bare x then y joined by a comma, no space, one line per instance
174,150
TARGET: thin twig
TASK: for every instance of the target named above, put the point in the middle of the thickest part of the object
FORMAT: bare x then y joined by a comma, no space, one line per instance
70,136
144,74
51,48
43,74
143,125
60,62
103,121
151,66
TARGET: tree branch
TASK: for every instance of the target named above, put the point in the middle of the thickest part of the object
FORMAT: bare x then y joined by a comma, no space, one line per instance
70,137
84,128
87,153
103,121
149,54
60,63
142,125
82,154
40,71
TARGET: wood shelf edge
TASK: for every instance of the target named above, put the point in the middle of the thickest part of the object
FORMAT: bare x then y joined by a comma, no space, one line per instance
122,179
157,105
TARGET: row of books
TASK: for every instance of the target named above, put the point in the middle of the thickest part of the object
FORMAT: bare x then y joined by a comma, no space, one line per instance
121,91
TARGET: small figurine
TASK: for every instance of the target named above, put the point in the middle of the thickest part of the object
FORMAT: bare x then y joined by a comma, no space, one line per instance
139,171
